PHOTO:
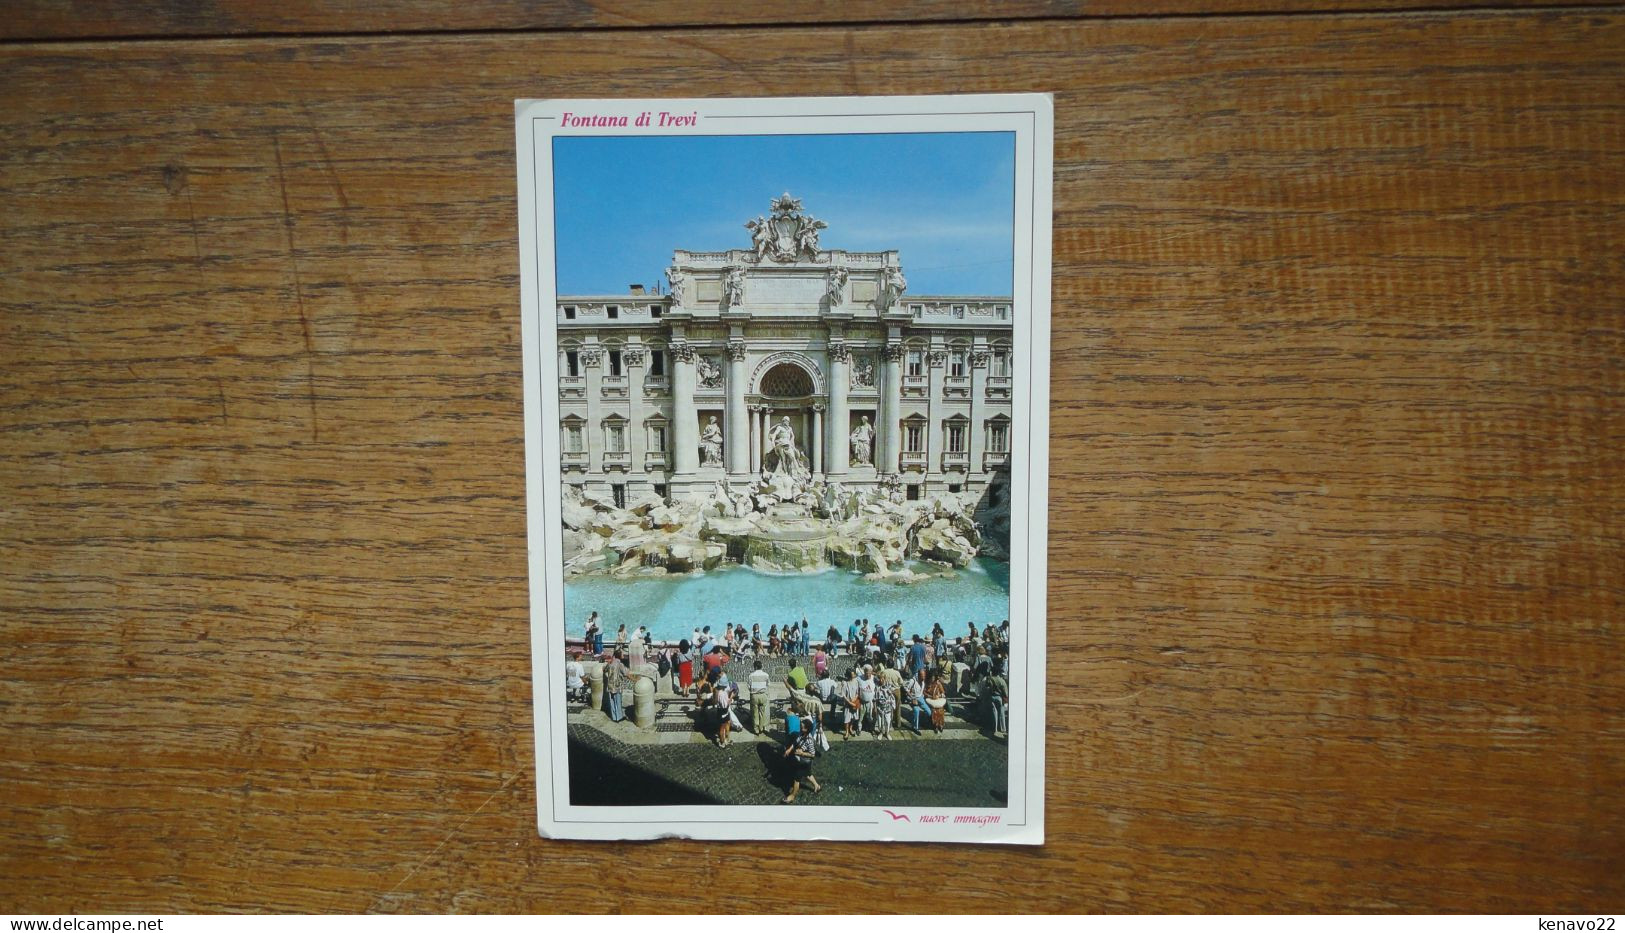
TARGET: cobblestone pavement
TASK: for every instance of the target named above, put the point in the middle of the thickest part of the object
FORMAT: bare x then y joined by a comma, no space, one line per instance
605,771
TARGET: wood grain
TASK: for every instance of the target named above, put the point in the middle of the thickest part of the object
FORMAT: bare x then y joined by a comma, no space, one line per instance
92,19
1336,565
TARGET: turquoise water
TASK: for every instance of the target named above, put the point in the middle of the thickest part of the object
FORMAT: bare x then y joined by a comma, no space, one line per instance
673,606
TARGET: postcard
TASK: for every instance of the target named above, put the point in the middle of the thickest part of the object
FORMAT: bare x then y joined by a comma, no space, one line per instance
786,393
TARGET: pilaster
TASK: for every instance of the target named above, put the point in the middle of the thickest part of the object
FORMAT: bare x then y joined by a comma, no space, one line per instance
818,433
837,453
685,419
736,443
890,450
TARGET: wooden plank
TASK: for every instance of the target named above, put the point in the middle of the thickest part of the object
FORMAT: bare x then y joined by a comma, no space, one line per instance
1336,498
83,19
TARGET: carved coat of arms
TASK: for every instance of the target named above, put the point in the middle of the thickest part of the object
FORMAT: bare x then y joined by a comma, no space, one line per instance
788,234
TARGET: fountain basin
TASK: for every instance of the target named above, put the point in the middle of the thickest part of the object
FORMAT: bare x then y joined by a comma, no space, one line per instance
672,606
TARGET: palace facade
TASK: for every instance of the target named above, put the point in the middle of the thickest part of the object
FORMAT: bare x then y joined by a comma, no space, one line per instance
669,393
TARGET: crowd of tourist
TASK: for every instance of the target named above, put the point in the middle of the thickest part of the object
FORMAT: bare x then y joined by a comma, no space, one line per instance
892,676
859,638
893,681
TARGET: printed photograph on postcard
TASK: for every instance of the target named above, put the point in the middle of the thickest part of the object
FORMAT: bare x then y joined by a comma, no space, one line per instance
786,368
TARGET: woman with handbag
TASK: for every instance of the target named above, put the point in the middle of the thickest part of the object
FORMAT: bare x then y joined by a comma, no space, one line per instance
683,667
799,754
722,699
936,697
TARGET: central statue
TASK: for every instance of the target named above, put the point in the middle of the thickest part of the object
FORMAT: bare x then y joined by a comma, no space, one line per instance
788,458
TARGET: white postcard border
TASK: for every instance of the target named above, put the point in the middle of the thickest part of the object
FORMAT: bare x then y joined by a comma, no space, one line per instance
1031,118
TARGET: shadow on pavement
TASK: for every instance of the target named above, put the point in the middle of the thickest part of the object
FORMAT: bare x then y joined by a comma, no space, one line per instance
774,766
599,780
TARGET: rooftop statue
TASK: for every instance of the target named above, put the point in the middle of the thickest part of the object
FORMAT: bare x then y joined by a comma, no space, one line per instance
786,236
892,291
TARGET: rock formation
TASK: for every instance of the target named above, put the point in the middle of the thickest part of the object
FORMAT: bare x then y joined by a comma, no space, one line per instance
775,525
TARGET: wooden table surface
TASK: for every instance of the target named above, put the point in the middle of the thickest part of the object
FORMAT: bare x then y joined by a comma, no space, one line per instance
1339,405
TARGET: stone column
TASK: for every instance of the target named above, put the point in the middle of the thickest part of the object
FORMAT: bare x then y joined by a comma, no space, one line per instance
637,433
735,446
817,435
837,455
685,420
890,448
761,437
976,439
756,440
591,357
936,418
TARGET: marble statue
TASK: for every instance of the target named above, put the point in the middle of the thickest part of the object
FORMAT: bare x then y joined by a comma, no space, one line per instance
807,237
733,287
892,290
709,374
711,445
719,497
761,236
675,279
789,460
854,503
894,490
788,235
835,285
863,438
863,374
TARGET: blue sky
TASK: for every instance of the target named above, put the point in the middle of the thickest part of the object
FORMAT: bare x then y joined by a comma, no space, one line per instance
943,199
